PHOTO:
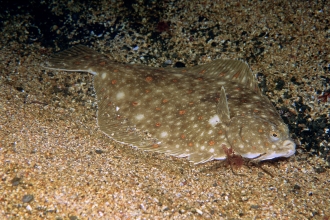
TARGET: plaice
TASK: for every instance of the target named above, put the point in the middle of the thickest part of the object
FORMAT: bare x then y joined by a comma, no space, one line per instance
188,112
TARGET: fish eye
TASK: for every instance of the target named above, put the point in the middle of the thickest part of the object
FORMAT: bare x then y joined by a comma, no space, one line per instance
274,136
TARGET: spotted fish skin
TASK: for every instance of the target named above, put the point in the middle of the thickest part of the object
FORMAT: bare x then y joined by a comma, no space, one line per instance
189,112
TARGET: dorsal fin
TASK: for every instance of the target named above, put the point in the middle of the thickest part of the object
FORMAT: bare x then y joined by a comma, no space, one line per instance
222,107
229,70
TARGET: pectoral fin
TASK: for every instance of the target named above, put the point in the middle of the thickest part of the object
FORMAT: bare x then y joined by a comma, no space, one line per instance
222,107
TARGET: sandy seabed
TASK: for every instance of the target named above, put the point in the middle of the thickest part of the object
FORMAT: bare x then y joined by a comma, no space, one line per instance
55,163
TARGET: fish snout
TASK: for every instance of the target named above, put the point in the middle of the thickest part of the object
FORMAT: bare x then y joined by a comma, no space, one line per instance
290,148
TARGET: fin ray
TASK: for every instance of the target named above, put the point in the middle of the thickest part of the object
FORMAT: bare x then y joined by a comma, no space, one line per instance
222,107
229,70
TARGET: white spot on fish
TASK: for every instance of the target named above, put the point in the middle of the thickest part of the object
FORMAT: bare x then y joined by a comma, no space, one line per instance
103,75
139,117
120,95
211,150
214,120
164,134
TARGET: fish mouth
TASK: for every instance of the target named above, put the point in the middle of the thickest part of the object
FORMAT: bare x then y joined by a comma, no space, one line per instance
287,150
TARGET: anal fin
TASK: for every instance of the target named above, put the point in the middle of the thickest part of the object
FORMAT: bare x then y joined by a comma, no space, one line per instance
201,157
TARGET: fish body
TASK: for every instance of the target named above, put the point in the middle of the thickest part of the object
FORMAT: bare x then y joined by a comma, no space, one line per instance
194,112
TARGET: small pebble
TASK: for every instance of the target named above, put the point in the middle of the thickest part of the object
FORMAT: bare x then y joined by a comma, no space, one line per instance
28,208
254,206
27,198
168,62
199,211
99,151
15,181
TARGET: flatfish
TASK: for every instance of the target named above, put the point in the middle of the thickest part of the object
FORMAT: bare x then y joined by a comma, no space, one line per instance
195,112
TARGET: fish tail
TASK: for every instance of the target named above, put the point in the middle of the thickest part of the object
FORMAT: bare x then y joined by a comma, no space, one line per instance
79,58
